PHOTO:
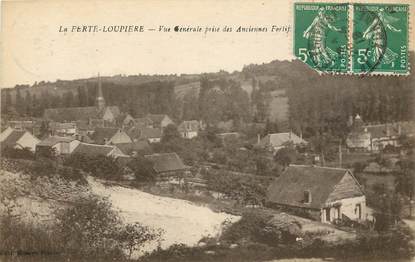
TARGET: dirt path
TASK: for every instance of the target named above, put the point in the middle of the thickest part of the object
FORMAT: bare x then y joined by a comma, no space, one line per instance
182,221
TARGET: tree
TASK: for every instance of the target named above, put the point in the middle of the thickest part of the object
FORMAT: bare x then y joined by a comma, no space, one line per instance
405,181
28,104
134,236
68,99
170,134
92,228
19,104
143,169
286,156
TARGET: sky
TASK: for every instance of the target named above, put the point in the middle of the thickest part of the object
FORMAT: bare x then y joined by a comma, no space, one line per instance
33,49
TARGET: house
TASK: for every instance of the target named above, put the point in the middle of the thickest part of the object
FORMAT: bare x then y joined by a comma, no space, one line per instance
375,137
109,135
169,167
99,111
61,145
275,142
189,129
143,122
160,120
152,135
18,139
125,120
134,147
94,150
32,125
322,193
63,129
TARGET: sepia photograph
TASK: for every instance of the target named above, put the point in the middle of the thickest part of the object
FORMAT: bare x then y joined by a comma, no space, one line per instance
234,130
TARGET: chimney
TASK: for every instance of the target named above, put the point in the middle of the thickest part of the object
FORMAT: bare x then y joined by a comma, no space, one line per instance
259,138
399,129
290,134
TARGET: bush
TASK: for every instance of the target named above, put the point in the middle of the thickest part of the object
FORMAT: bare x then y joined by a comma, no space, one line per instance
94,229
249,228
17,237
246,189
142,169
99,166
18,153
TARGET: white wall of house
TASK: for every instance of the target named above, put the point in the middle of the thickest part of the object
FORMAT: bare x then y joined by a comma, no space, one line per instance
28,140
189,134
66,131
348,207
380,143
154,140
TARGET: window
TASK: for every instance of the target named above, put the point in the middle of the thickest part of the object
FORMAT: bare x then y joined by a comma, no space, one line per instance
307,197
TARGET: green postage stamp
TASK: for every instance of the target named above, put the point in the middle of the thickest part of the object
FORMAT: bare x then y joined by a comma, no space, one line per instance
380,38
352,38
321,35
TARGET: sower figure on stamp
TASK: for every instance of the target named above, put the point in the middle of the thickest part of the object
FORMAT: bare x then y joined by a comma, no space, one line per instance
375,34
317,31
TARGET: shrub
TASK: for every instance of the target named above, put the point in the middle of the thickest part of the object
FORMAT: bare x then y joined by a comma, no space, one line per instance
18,153
94,229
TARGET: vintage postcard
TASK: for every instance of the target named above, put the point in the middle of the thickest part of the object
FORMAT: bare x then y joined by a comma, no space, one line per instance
207,130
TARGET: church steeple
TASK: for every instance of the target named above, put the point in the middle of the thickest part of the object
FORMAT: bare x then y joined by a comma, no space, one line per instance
99,100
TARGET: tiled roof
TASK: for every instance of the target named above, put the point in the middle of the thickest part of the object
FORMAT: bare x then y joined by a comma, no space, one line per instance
166,162
11,139
53,140
189,126
144,133
321,182
381,130
93,150
103,134
58,125
143,121
280,139
128,148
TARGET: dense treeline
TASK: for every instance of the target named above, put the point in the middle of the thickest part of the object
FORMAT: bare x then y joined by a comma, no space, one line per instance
154,97
322,104
318,104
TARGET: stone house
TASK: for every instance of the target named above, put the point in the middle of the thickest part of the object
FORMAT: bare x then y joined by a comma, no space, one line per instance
61,145
63,129
94,150
18,139
169,168
375,137
322,193
276,141
160,120
149,134
108,135
189,129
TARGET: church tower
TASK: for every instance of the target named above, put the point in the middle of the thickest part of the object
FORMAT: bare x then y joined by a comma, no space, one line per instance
100,101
